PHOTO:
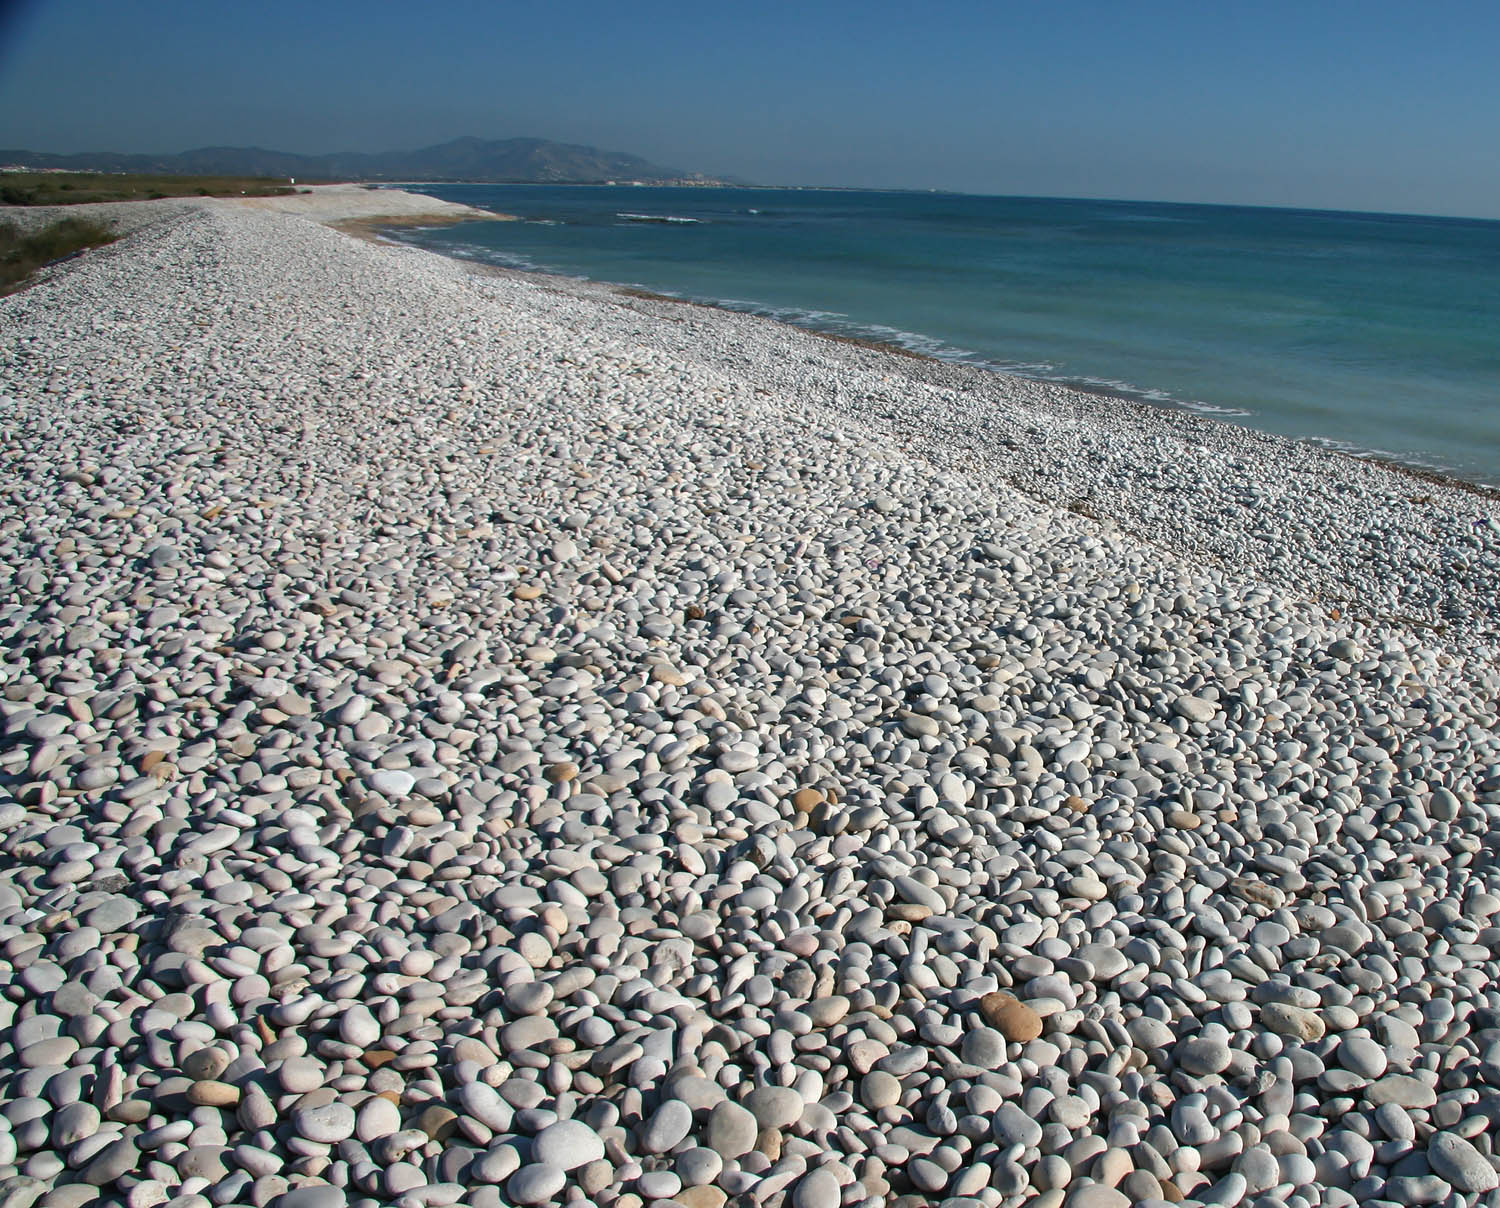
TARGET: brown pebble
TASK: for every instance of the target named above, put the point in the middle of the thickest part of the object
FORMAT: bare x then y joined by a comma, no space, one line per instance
210,1093
806,800
1077,804
561,773
528,591
1011,1018
769,1143
375,1058
706,1196
437,1122
596,1176
129,1111
1170,1192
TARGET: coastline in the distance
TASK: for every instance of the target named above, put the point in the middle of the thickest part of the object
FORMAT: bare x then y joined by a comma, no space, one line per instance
1371,333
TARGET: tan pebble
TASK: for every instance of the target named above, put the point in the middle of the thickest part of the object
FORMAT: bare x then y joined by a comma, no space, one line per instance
1297,1022
1089,888
129,1111
1111,1166
707,1196
863,1054
208,1093
437,1122
1170,1192
1011,1018
769,1143
827,1011
528,591
909,912
806,800
1258,892
293,704
1184,820
561,773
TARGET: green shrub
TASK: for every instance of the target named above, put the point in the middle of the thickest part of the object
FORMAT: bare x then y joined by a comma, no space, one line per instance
22,253
73,188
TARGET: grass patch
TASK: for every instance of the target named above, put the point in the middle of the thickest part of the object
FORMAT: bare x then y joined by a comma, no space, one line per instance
22,253
76,188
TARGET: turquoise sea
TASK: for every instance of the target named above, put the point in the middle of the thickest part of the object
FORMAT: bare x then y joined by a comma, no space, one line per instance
1374,333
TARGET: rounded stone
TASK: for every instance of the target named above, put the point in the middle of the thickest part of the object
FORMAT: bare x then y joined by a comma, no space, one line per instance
699,1166
1014,1020
667,1126
1456,1161
1299,1023
392,783
659,1184
878,1089
327,1124
535,1183
817,1189
983,1047
1012,1126
568,1144
1096,1195
731,1130
1362,1056
377,1117
300,1075
209,1093
358,1027
775,1106
314,1195
73,1123
1203,1055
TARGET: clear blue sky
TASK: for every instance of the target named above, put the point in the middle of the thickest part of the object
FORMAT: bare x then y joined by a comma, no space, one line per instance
1356,104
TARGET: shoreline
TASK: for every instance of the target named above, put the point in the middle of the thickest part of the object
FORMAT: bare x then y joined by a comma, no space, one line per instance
1422,473
985,409
475,738
1417,471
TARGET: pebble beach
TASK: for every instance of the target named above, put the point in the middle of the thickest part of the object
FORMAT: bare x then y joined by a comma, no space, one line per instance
480,739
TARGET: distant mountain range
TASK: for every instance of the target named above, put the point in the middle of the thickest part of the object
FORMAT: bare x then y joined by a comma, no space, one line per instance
530,160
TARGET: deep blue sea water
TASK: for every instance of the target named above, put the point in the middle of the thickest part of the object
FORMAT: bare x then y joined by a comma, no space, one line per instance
1377,333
